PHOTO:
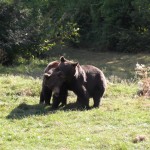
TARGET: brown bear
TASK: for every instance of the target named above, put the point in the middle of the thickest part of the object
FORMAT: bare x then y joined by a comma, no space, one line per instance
85,81
46,91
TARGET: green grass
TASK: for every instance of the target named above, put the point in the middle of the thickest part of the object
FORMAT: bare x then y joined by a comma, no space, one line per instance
24,124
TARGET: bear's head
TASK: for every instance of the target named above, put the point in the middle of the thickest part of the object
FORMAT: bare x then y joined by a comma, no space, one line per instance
67,71
69,68
72,70
54,79
64,72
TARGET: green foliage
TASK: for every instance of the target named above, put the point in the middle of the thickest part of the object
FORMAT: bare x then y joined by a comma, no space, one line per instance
16,31
31,28
115,25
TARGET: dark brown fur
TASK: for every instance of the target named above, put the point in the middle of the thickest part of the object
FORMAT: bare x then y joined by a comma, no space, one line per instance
85,81
47,87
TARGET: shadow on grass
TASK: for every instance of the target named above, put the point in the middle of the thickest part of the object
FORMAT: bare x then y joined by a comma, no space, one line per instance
24,110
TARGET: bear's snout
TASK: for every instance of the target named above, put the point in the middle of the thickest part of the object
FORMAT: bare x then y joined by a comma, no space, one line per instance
56,91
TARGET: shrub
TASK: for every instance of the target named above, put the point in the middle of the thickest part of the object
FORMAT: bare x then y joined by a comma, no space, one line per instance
143,73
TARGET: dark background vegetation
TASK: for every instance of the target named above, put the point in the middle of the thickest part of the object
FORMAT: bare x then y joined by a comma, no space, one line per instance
31,28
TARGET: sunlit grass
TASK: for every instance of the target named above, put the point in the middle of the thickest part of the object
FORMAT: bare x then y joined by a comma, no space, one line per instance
24,124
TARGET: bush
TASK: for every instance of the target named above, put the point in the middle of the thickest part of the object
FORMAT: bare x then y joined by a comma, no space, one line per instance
143,73
30,28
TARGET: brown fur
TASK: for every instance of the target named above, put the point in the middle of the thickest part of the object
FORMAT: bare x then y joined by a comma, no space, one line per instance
47,87
85,81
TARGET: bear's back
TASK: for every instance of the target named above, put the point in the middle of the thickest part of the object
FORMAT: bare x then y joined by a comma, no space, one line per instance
94,76
51,65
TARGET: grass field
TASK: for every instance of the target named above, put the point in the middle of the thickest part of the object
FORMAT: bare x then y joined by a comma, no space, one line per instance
26,125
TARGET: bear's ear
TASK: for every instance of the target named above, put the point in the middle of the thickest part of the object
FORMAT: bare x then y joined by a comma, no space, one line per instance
47,75
62,59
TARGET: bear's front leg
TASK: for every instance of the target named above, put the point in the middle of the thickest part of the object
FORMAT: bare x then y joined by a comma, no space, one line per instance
56,102
63,94
61,98
82,96
47,93
41,98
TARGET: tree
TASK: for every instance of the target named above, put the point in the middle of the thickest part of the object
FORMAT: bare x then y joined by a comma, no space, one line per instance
30,28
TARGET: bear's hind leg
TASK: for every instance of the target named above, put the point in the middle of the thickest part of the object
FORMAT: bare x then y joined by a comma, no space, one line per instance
96,101
97,98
